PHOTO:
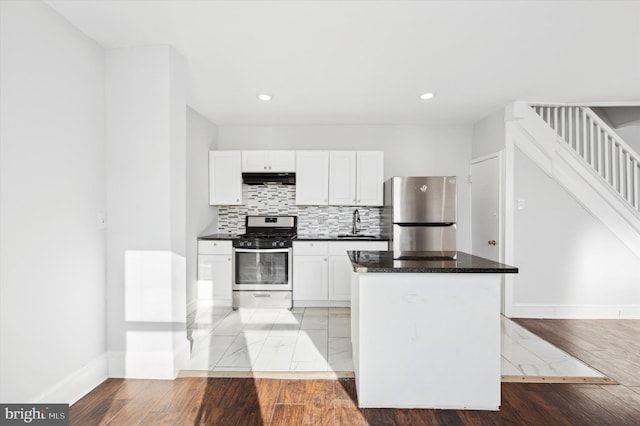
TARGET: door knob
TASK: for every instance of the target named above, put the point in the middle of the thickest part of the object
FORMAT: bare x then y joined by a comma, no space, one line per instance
491,242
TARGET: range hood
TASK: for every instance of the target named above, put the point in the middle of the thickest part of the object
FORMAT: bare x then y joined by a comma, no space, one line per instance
269,178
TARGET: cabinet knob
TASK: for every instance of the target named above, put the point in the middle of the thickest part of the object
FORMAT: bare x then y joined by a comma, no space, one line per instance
325,259
311,244
237,200
265,167
269,167
228,259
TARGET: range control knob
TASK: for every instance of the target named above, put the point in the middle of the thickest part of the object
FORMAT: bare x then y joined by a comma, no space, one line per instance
275,243
281,243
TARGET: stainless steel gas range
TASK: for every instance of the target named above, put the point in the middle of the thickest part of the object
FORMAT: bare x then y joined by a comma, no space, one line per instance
262,263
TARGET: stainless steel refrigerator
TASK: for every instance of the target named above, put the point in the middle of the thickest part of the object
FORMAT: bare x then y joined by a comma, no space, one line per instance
420,213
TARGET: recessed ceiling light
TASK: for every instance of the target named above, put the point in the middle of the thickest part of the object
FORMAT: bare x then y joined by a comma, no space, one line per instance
264,96
427,95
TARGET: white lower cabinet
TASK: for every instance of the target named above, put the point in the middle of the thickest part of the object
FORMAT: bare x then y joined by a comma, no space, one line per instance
214,271
340,277
310,274
322,271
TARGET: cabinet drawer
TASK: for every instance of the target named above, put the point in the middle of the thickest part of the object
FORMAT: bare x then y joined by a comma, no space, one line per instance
338,248
214,247
307,248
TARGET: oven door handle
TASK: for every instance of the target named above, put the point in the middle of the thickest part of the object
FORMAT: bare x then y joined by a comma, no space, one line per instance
279,250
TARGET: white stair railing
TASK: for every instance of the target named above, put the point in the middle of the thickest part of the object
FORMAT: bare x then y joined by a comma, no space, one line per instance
599,146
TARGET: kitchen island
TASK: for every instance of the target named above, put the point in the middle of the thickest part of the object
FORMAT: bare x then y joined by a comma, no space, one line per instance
425,332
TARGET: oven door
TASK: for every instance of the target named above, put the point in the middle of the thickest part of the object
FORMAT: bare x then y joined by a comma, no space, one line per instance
262,269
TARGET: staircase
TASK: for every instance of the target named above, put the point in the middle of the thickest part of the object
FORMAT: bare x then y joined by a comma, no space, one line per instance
582,153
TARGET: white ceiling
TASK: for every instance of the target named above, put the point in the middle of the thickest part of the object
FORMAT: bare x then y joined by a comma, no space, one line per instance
366,62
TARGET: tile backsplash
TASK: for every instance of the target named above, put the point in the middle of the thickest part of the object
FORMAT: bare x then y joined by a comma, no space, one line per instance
312,220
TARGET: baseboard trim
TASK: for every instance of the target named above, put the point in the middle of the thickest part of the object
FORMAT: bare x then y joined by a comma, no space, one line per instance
563,379
541,311
162,365
283,375
78,384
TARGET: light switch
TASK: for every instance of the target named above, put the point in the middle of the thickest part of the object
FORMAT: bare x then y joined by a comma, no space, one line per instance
520,204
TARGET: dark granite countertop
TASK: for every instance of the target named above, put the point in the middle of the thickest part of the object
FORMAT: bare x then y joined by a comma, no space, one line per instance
219,237
383,261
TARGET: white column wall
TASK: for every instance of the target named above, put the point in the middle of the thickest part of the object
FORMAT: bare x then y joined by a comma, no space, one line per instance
146,193
202,137
52,184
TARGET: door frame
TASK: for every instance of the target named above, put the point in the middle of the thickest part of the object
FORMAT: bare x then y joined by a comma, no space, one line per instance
499,156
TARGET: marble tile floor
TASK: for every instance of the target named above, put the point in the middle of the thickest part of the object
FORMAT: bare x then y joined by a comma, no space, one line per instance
317,340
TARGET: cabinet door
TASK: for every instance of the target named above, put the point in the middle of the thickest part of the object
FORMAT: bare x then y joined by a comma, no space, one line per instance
340,277
312,178
214,277
310,278
282,161
370,178
225,178
255,161
342,178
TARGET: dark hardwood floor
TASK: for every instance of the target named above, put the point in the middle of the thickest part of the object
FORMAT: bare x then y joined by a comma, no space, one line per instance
611,346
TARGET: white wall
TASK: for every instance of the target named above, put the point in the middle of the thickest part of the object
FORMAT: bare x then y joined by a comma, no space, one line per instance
202,137
570,264
146,192
408,150
489,135
52,181
631,135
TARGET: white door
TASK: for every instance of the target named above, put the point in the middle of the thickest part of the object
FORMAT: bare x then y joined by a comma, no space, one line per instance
342,178
340,277
310,278
225,178
255,161
312,178
370,178
282,161
214,278
485,208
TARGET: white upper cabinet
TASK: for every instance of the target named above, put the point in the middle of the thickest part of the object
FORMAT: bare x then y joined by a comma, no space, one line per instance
356,178
312,178
342,178
268,161
225,178
370,178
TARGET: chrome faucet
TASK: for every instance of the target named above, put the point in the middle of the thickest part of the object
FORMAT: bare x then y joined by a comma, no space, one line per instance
356,222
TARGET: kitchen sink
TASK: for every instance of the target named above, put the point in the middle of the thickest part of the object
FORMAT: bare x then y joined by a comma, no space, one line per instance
362,236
